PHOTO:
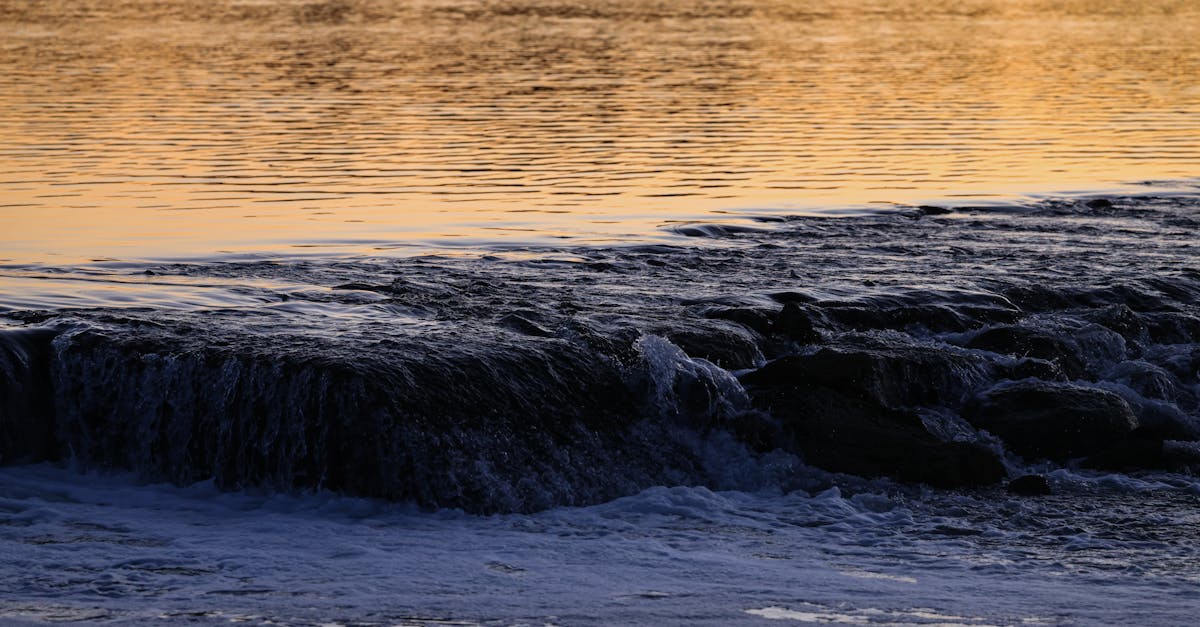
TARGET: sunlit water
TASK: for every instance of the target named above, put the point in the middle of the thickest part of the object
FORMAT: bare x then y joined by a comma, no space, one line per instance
187,128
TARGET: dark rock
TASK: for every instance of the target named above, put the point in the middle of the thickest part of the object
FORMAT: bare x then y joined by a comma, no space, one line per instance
1146,379
487,427
1135,454
935,317
1038,419
1162,421
796,322
1099,203
1030,369
1145,451
1182,456
1029,485
727,346
896,376
1185,366
752,319
860,436
792,297
930,210
1041,298
1172,327
1123,320
27,418
1025,342
1137,297
944,311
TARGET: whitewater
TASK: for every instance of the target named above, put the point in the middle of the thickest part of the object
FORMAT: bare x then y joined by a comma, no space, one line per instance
112,550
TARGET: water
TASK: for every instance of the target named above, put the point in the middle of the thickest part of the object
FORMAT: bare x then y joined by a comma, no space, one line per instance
599,312
138,130
109,551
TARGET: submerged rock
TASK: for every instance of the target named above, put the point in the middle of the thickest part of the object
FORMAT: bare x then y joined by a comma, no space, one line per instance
893,376
1029,485
483,427
1145,452
1024,342
753,319
1138,453
1122,320
26,399
1038,419
727,346
796,322
860,436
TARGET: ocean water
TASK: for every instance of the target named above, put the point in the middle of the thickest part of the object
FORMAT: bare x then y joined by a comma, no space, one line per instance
601,312
182,128
111,550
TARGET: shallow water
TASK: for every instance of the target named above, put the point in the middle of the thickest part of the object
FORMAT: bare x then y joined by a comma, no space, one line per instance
1108,550
182,128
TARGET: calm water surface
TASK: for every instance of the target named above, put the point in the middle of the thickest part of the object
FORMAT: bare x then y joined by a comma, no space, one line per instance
142,129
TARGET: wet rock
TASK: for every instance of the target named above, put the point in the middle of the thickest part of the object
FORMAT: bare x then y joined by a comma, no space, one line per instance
792,297
941,312
938,318
894,376
490,426
27,421
930,210
1134,454
1148,380
1145,451
1099,203
1020,341
862,437
1030,369
1028,485
1038,419
796,322
1172,327
1182,456
1162,421
727,346
1185,364
1122,320
753,319
1041,298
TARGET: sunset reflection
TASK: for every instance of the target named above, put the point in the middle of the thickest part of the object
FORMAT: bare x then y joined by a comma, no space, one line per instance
183,128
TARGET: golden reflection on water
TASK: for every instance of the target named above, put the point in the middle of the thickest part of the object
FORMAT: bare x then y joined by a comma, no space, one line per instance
157,128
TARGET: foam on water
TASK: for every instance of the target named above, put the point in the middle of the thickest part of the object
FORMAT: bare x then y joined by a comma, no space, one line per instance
104,548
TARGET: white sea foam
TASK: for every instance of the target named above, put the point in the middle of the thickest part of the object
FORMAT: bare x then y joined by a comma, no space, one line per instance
100,548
